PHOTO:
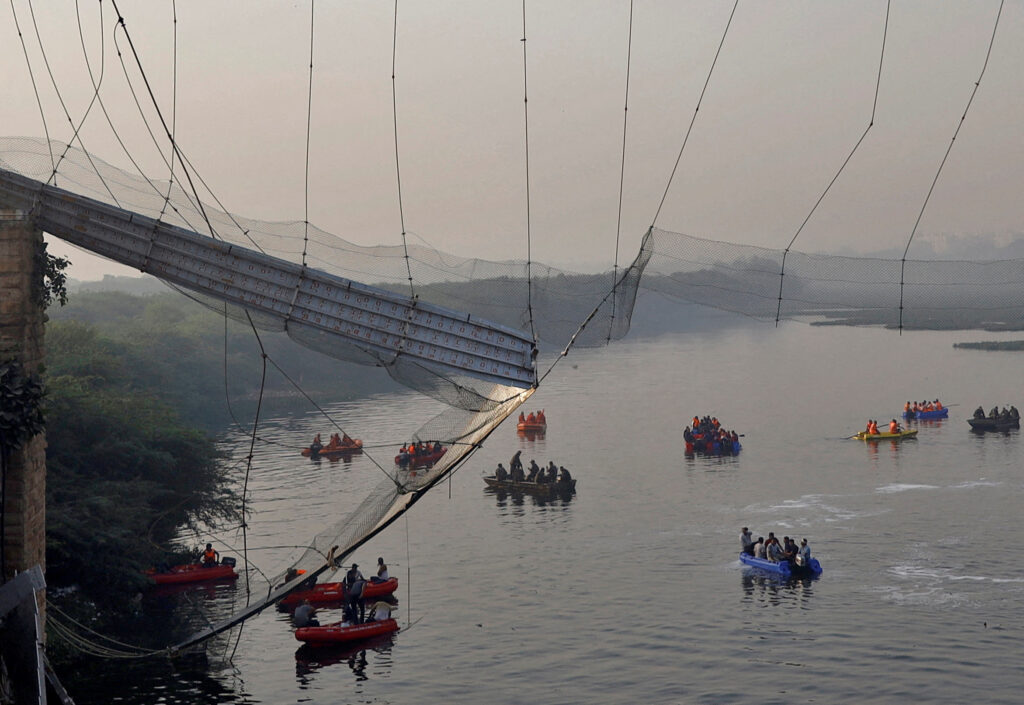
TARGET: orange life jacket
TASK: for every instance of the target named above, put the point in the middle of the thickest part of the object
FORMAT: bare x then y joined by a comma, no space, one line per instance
938,406
893,427
209,556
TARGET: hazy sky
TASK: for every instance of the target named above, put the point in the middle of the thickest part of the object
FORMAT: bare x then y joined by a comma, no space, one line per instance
791,94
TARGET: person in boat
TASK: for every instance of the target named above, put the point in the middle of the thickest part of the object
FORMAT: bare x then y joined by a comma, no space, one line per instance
382,572
774,550
979,413
894,427
522,417
746,541
354,583
539,477
803,554
437,446
346,440
687,435
501,474
292,573
516,475
210,556
564,477
531,418
867,429
789,549
380,611
534,470
874,428
759,550
515,462
316,446
541,418
304,616
552,477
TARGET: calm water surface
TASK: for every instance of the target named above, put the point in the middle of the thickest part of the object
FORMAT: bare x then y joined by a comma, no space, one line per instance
631,591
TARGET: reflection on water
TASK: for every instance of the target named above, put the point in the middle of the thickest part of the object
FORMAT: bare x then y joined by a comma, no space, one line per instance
551,498
309,660
775,590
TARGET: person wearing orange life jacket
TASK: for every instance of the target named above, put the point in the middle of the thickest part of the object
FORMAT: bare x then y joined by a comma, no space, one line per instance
894,427
874,428
531,418
938,405
906,408
867,429
540,417
522,417
210,556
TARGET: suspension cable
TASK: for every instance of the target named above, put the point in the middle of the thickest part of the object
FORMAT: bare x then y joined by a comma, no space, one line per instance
871,122
35,88
689,129
398,168
309,120
526,145
622,168
974,92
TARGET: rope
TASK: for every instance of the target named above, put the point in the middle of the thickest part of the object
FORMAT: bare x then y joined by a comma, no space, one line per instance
694,118
398,168
871,122
974,92
622,168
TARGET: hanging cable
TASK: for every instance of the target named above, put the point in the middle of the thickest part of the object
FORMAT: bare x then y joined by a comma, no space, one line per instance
174,107
871,122
35,88
526,144
398,168
622,168
695,111
974,92
63,105
309,121
156,106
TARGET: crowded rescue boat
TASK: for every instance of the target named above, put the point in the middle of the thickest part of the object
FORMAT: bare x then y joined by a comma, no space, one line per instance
339,444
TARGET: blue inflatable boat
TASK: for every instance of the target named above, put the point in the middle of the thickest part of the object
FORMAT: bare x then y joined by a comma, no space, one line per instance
933,414
782,569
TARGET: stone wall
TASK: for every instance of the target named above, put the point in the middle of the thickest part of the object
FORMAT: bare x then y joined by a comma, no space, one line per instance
21,338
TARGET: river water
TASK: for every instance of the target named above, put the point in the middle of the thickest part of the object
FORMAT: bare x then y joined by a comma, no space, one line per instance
631,590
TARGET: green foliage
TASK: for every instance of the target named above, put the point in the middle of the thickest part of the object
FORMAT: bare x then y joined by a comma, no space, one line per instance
124,475
51,279
21,414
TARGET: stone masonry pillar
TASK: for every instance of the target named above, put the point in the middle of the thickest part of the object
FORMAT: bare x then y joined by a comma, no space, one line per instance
21,339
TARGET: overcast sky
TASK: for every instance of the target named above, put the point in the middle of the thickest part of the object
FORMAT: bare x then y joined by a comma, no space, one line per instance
791,94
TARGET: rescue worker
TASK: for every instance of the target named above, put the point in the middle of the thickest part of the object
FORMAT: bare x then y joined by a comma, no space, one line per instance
210,556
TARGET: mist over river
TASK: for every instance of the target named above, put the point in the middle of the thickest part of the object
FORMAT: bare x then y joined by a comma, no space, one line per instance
631,591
